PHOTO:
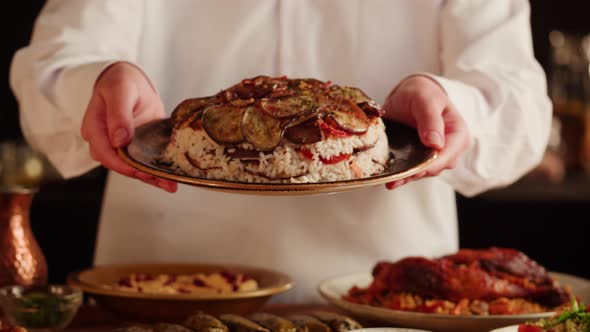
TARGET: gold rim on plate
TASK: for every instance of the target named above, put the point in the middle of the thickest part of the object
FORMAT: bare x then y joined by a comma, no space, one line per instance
108,274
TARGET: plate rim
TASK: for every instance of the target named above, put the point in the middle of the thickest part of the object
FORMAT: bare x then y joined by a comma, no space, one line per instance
257,187
337,301
73,279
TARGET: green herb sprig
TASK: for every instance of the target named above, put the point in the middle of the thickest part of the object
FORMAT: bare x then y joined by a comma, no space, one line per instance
577,313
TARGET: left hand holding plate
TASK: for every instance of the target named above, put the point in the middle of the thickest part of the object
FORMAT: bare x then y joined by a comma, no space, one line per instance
420,102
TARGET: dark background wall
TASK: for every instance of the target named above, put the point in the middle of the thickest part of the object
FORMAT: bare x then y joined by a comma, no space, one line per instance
552,229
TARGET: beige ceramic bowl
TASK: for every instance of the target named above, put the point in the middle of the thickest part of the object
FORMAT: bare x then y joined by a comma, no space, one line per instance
143,307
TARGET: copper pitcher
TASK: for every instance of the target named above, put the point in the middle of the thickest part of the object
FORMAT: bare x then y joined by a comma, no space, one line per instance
21,260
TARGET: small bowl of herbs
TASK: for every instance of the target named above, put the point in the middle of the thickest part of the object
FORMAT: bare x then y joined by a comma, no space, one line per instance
40,308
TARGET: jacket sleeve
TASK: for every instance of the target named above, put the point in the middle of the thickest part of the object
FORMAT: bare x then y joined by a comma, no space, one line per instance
491,76
73,42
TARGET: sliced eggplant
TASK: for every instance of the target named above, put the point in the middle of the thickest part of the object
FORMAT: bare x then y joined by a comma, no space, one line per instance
354,94
193,121
289,107
348,116
237,323
201,322
247,91
306,323
273,322
308,84
258,87
223,123
279,93
242,102
371,109
338,322
187,107
308,132
263,131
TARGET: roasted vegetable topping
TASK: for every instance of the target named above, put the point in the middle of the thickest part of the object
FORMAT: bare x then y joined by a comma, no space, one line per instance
307,132
289,107
348,115
188,107
354,94
223,123
261,129
259,110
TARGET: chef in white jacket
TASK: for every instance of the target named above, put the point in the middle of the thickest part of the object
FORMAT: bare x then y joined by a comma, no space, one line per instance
95,69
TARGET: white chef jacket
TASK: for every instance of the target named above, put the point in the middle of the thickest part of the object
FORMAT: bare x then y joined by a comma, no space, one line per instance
478,50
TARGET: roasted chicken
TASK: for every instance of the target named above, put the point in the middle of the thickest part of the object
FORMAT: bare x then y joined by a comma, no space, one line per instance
470,274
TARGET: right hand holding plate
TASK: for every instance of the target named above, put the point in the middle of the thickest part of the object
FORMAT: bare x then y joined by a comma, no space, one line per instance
419,102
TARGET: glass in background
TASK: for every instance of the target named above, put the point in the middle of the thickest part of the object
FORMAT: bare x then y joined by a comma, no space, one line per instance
569,89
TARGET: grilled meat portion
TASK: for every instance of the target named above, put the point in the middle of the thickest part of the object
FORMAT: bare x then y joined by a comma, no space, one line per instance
471,274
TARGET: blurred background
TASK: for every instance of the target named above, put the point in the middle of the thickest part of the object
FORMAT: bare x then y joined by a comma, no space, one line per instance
546,214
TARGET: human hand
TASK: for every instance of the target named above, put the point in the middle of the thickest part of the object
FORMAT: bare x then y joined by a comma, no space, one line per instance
123,99
420,102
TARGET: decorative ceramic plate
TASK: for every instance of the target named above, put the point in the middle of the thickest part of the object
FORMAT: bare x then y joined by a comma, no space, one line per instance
333,289
99,283
408,157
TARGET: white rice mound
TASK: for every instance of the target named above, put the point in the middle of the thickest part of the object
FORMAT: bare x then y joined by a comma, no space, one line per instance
284,164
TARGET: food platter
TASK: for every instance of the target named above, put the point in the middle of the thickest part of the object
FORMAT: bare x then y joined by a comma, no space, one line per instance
333,289
97,282
409,157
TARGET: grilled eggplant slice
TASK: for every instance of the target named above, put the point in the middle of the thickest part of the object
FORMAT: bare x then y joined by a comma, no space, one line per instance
263,131
273,323
308,84
187,107
237,323
306,323
354,94
338,322
193,121
289,107
371,109
201,322
348,115
307,132
223,123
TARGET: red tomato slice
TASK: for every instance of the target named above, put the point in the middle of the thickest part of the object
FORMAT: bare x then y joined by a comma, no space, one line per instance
306,153
328,161
335,159
330,128
529,328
